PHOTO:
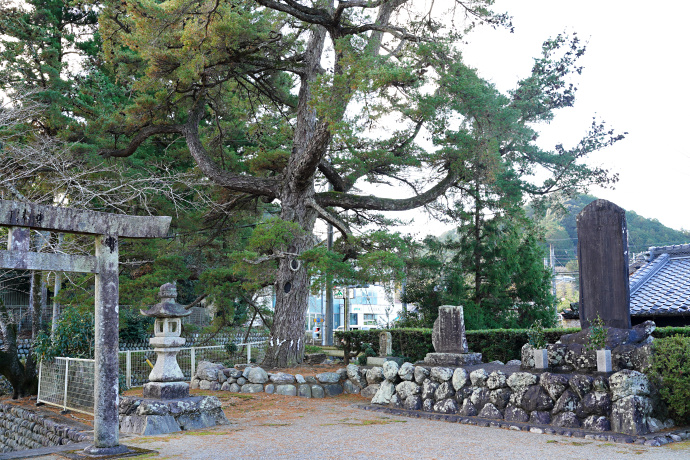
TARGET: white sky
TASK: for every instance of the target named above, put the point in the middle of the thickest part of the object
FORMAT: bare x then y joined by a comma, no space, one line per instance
635,78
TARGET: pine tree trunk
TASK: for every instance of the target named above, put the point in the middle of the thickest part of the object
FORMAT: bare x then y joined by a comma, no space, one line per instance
292,286
21,375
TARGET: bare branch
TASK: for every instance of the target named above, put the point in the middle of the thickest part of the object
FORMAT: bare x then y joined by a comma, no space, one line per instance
311,15
331,219
263,259
339,184
240,183
196,302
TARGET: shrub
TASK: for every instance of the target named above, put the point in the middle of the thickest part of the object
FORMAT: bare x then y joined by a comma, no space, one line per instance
535,335
506,344
596,338
312,349
670,372
411,343
415,343
670,331
73,337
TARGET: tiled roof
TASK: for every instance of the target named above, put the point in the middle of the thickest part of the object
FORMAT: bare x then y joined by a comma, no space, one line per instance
662,286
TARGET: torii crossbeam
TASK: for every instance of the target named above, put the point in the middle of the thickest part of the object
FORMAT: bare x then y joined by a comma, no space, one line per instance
107,228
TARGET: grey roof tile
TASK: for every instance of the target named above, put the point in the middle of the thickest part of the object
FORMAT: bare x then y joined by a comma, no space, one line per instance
662,286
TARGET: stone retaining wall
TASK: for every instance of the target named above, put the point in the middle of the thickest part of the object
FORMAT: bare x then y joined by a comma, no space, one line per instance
216,377
621,402
22,429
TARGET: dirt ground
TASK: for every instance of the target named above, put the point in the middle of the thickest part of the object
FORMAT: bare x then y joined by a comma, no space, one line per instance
282,427
266,426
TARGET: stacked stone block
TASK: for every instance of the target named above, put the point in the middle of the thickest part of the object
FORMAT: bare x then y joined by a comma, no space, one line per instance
619,403
22,429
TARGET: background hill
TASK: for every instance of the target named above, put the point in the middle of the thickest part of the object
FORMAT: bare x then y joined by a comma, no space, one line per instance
561,231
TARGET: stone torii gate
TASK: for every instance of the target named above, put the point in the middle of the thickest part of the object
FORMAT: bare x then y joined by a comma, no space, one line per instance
107,228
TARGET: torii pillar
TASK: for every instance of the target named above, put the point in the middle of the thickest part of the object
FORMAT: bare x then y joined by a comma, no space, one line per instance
107,228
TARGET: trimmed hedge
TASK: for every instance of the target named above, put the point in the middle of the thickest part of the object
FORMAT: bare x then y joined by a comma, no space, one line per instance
494,344
409,342
506,344
670,331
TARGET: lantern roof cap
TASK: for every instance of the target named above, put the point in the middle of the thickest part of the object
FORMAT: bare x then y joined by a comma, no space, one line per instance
167,307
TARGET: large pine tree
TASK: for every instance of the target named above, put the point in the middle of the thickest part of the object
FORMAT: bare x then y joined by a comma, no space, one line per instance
277,99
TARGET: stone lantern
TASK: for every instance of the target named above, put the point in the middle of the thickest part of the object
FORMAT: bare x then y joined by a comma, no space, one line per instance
166,378
167,406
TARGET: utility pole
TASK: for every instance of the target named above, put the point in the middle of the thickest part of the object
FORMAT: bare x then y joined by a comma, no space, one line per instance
327,331
346,311
553,277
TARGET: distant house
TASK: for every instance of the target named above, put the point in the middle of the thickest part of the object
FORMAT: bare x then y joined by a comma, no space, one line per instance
660,289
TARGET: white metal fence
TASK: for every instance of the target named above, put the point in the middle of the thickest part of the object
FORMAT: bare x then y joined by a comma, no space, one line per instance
68,382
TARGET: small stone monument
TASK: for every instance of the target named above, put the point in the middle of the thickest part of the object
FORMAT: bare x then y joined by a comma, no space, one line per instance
167,406
450,342
385,351
385,344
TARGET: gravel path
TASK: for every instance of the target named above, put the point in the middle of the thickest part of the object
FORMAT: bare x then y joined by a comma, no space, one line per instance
275,427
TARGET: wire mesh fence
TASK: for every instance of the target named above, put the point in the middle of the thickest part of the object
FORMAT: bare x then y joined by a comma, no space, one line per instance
67,383
136,365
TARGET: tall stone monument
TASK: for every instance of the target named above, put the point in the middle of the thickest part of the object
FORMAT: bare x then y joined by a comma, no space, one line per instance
450,342
602,250
385,344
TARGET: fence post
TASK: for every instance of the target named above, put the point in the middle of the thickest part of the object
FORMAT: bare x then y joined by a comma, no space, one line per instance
249,353
192,353
128,366
40,368
64,403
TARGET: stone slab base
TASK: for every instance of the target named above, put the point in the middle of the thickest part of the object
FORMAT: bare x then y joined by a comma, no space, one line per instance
152,417
453,359
120,451
378,360
166,390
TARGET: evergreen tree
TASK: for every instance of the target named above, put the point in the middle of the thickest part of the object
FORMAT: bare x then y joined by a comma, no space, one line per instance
242,82
492,264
